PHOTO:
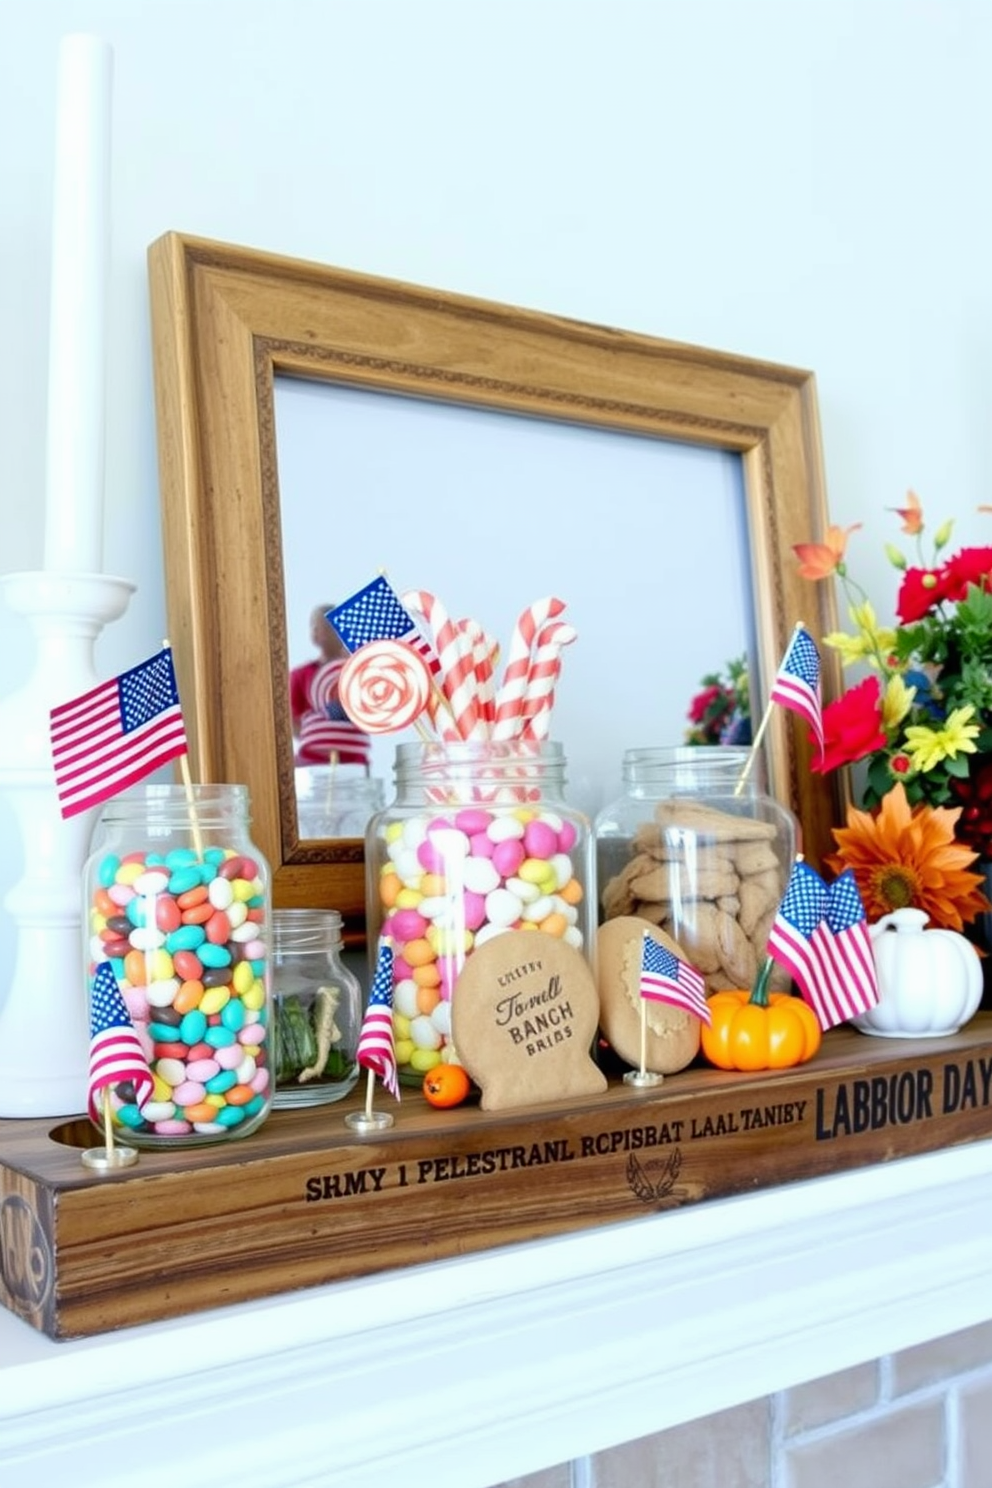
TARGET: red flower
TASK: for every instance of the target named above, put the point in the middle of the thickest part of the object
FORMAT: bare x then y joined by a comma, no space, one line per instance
969,566
921,590
852,726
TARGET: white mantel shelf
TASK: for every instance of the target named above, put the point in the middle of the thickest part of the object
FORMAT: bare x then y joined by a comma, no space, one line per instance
469,1372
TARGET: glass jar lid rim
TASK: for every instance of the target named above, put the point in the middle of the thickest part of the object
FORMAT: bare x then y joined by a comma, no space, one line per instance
328,919
470,750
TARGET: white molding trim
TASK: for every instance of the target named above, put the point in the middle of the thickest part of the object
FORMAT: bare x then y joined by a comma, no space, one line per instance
470,1372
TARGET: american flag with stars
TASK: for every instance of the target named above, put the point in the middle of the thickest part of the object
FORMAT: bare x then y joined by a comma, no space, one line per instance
376,1049
116,734
376,613
116,1054
797,683
665,977
821,936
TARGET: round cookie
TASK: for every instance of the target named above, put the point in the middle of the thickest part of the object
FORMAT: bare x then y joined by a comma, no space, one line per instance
672,1034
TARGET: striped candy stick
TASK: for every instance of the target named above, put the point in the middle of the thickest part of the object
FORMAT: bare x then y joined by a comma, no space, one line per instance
486,670
485,653
545,671
432,617
422,607
460,683
509,698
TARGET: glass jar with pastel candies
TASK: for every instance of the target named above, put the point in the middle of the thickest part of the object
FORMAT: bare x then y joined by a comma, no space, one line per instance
696,846
177,939
317,1007
478,840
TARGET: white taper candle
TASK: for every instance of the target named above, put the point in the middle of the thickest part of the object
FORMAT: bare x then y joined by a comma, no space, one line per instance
78,310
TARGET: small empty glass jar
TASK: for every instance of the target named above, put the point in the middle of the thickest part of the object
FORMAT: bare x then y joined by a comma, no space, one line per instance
317,1006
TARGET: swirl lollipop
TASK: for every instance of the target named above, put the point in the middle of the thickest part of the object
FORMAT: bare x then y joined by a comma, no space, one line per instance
385,686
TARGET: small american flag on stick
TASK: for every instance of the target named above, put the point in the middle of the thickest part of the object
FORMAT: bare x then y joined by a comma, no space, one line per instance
797,683
116,734
116,1054
376,1049
820,935
665,977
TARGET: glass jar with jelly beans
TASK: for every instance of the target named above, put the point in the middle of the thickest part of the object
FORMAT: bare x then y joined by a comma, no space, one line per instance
177,903
478,841
317,1009
697,846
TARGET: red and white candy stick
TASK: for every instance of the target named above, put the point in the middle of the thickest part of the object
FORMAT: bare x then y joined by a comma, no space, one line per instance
385,686
509,699
453,654
543,678
485,649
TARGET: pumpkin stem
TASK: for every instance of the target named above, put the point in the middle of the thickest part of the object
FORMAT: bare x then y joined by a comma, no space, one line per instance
759,992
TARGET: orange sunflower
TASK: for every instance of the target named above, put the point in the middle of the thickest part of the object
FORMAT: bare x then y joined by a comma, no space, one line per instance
904,855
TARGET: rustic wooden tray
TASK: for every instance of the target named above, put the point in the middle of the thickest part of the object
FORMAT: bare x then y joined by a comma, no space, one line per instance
305,1201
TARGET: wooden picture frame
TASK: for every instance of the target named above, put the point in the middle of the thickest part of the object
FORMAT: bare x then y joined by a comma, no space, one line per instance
226,320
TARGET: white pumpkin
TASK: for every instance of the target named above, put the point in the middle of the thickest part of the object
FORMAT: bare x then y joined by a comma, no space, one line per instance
930,981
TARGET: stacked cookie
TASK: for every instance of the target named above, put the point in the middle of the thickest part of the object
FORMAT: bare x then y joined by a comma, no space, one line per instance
711,879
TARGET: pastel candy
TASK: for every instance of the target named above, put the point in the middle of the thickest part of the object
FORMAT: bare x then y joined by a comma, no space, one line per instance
452,882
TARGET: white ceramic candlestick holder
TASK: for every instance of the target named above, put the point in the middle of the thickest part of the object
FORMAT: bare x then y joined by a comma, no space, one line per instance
44,1024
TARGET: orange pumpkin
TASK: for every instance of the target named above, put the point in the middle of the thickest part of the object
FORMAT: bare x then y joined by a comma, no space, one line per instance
759,1030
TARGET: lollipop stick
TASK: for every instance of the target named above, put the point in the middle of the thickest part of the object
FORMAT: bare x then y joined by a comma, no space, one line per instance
108,1125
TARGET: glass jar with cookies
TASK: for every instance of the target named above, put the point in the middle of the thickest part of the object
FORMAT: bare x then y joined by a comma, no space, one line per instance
696,846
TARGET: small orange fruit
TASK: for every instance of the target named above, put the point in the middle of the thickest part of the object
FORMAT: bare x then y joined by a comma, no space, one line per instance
446,1085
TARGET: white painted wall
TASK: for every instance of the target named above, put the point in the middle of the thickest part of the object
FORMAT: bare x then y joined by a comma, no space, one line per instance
788,179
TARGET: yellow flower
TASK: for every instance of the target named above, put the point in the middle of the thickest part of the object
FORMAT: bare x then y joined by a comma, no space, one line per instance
897,699
928,746
869,643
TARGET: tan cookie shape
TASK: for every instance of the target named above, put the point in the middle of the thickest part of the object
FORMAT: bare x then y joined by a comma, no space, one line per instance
524,1017
672,1035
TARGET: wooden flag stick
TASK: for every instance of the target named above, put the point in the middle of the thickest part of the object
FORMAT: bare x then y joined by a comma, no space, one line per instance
332,771
108,1125
643,1078
368,1120
194,819
104,1159
187,779
765,720
644,1038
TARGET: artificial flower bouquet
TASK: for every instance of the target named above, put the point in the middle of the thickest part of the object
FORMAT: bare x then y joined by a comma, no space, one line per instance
721,712
919,724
